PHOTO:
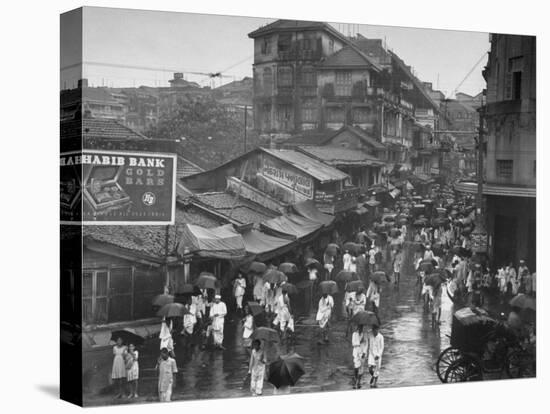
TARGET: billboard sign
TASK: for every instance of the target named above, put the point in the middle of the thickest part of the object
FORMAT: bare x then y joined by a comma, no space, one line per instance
117,187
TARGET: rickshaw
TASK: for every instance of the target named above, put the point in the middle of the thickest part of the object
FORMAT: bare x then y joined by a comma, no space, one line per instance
482,345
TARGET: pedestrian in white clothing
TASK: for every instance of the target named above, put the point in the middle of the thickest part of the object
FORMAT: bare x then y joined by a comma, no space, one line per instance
374,354
256,368
360,345
326,303
347,260
239,290
218,310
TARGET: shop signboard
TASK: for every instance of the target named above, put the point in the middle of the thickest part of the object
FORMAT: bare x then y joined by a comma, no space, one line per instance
117,187
277,172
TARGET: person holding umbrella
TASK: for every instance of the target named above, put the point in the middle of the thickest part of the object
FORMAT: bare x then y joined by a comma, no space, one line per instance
256,368
166,340
374,354
359,344
373,295
248,327
324,312
283,311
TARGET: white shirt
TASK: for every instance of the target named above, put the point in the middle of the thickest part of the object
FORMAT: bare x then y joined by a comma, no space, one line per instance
376,346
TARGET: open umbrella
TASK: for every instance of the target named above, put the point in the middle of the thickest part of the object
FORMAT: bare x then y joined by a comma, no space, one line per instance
365,318
345,276
524,302
355,285
255,308
274,276
188,288
328,286
286,371
290,288
172,310
288,268
426,266
313,262
378,276
161,300
207,281
352,247
128,336
257,267
332,249
266,334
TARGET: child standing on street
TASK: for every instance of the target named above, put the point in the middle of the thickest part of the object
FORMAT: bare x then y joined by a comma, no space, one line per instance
375,351
132,371
167,370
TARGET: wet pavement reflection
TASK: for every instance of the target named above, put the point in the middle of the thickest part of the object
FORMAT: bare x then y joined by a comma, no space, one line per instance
411,350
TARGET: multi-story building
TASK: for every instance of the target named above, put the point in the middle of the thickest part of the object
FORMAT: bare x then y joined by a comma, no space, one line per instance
310,77
510,161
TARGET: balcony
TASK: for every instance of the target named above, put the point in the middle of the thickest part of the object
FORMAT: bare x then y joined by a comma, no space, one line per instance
302,54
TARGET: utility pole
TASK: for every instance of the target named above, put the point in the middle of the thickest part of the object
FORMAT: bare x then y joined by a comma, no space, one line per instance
479,235
245,125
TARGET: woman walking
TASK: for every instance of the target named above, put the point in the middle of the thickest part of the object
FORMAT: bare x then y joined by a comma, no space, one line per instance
359,344
373,295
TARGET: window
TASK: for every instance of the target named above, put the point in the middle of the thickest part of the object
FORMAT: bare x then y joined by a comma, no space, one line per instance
512,81
505,169
266,46
306,43
309,114
308,78
331,46
283,45
343,83
284,76
361,115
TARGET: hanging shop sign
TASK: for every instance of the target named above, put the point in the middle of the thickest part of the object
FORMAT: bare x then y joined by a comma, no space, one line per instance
113,187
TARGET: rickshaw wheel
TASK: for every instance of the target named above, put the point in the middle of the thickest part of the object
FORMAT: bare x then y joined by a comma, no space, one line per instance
520,364
446,358
465,368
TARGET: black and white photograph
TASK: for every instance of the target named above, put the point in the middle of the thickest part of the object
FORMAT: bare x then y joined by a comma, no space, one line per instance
266,206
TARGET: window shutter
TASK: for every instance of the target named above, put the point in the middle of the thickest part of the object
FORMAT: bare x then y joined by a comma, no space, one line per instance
508,86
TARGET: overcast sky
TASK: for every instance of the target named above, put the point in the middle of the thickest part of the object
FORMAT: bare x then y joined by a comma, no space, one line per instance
166,42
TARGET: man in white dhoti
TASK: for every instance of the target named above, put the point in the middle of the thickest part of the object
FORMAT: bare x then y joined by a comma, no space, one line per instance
326,303
282,310
218,310
374,354
239,290
359,344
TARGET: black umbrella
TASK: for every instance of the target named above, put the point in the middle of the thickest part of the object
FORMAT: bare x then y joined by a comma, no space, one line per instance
161,300
275,276
328,286
313,263
266,334
128,336
188,288
345,276
255,308
365,318
257,267
207,281
172,310
286,371
524,301
355,286
288,268
435,280
378,276
304,284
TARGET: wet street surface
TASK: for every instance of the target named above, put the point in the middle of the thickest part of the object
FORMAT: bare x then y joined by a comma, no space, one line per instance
411,350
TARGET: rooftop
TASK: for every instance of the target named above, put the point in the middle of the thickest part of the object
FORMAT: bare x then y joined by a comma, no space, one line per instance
322,172
341,156
347,57
359,133
94,128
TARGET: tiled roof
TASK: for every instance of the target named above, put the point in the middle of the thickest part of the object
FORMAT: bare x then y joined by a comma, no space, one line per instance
148,241
244,211
346,57
186,167
322,172
98,128
307,138
341,156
